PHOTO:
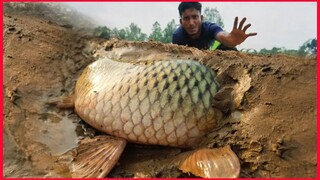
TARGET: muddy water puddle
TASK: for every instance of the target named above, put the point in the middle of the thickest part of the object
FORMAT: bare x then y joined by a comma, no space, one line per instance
59,133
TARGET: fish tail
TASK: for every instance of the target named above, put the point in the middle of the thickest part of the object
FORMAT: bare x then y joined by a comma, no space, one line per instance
210,163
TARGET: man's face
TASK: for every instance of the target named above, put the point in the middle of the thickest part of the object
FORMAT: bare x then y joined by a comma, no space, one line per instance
191,20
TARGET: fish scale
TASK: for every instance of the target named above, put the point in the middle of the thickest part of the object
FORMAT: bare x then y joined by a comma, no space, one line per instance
162,103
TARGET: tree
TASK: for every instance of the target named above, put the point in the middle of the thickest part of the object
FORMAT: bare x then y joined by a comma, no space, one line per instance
274,50
102,32
156,32
168,31
133,33
308,48
213,15
120,34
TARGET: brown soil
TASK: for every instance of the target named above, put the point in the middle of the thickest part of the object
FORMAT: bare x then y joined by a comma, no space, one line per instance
271,126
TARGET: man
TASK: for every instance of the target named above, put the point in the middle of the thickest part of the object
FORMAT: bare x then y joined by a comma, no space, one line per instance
202,35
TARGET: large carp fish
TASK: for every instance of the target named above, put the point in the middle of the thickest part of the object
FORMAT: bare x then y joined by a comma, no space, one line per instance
166,103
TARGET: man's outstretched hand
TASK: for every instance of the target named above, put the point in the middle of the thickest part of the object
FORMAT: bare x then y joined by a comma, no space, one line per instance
238,34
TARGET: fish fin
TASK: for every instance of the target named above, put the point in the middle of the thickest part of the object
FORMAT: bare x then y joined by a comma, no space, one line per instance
210,163
63,102
97,156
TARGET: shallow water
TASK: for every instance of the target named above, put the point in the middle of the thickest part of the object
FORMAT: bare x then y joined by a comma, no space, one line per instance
59,133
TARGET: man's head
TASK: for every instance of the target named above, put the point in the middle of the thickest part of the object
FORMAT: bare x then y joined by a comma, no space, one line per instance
191,18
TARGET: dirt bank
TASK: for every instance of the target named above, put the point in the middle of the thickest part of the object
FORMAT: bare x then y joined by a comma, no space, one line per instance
271,127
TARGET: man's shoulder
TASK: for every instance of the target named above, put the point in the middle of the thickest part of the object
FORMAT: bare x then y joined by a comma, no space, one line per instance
210,29
178,32
178,36
207,24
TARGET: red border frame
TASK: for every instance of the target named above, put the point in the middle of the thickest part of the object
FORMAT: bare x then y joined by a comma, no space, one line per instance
318,65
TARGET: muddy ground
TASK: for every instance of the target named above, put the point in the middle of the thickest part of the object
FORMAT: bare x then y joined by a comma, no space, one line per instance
271,125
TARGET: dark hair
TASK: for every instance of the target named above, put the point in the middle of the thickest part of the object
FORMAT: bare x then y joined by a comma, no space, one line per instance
188,5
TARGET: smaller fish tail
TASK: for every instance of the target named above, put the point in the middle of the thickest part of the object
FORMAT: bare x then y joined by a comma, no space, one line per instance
210,163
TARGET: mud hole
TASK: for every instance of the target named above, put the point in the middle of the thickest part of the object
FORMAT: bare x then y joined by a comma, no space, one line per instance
271,125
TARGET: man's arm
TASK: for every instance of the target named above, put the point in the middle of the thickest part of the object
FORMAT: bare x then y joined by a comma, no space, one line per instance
236,36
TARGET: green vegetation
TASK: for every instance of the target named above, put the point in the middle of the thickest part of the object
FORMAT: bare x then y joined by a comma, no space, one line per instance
131,33
308,48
